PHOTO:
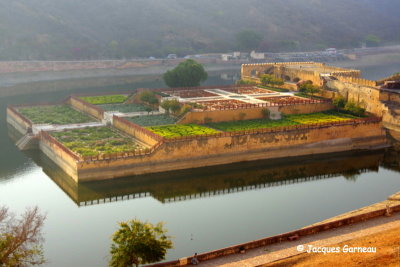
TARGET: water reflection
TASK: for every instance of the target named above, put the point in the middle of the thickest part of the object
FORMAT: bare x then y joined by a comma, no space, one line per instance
207,182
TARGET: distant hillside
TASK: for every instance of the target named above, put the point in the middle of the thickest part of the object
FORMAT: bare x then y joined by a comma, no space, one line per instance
90,29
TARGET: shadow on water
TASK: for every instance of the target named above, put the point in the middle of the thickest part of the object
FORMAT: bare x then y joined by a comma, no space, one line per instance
207,182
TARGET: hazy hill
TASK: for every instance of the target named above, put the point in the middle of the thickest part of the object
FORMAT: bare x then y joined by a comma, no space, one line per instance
82,29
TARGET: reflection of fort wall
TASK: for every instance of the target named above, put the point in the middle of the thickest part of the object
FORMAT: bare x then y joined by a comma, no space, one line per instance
203,182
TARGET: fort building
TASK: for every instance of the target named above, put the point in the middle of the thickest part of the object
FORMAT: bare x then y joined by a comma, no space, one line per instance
119,134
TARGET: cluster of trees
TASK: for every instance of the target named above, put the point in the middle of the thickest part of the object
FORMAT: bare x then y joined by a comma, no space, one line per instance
348,106
171,106
187,74
269,79
134,243
308,88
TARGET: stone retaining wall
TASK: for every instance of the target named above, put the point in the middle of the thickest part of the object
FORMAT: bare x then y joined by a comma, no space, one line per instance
201,151
278,238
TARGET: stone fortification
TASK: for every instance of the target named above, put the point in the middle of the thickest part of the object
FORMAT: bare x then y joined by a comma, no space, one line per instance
223,148
296,71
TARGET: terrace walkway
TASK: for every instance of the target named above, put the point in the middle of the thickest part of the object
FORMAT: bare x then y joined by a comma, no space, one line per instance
267,255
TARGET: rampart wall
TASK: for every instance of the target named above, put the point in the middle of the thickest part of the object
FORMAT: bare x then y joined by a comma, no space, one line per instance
18,121
85,107
136,131
254,112
358,81
366,96
223,148
62,156
287,72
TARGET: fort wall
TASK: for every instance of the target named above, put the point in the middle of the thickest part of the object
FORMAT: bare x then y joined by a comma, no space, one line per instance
136,131
367,97
201,151
235,114
85,107
62,156
292,71
18,121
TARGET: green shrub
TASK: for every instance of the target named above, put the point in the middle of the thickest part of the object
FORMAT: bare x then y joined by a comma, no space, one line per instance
354,109
148,97
105,99
269,79
308,88
339,102
178,130
244,82
265,113
152,120
125,108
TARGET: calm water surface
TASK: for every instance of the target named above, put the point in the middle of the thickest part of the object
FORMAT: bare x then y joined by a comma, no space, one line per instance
203,209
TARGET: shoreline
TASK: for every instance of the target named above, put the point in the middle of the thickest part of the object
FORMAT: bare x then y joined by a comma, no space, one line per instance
283,246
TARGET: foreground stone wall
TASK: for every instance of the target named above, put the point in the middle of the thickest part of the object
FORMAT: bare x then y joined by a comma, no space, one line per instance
228,148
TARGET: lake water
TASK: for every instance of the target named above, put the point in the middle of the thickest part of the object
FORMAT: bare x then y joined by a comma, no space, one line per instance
204,209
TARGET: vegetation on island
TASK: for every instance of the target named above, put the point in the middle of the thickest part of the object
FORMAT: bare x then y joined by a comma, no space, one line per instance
93,141
188,73
137,242
308,88
270,80
148,98
171,106
287,120
124,108
104,99
152,120
54,114
179,130
21,239
349,107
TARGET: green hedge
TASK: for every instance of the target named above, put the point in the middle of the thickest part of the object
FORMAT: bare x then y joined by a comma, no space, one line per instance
178,130
105,99
54,114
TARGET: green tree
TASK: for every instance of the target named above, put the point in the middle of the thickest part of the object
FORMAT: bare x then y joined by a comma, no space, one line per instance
354,109
187,74
148,97
166,104
21,239
269,79
248,40
174,106
309,88
339,102
139,243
